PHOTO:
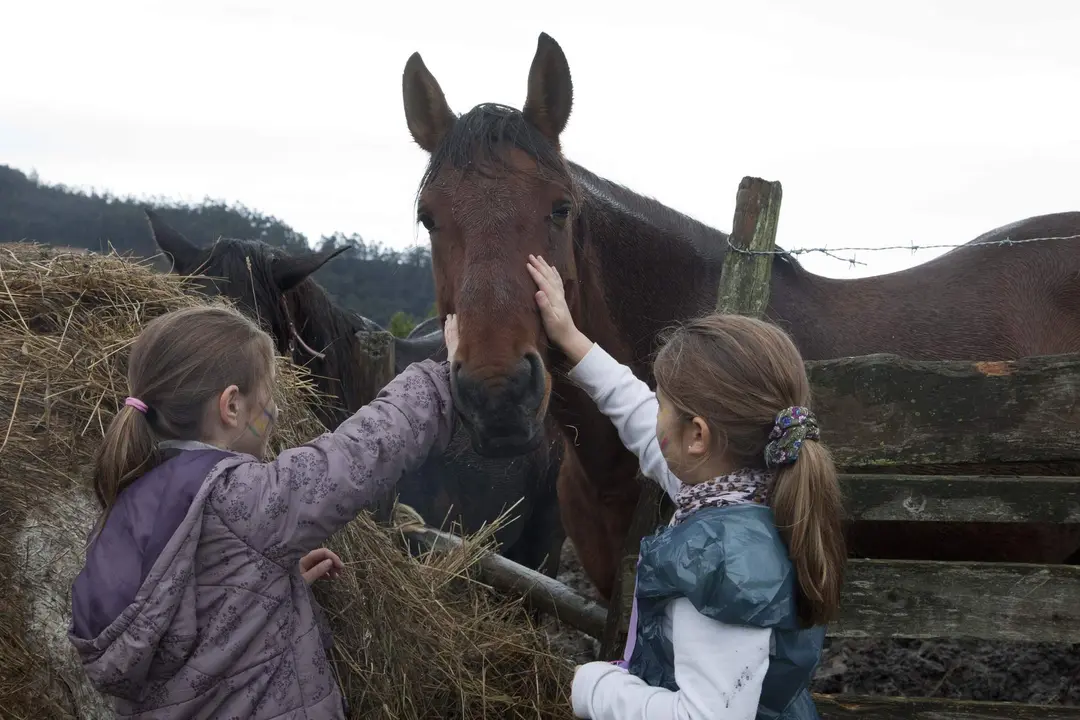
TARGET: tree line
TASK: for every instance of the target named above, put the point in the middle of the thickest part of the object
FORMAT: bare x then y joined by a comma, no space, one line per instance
392,287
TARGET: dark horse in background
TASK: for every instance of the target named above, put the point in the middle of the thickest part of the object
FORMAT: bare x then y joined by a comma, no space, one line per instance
308,327
497,188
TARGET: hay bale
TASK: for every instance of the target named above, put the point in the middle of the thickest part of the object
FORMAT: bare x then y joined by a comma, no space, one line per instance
415,638
422,638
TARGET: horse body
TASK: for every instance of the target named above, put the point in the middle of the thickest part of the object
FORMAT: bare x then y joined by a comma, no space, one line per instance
986,299
458,485
497,189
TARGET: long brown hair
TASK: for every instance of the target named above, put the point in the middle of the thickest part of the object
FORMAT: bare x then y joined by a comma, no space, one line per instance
179,362
737,373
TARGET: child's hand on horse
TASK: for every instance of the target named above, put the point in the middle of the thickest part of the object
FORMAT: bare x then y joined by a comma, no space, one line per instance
551,299
320,562
450,337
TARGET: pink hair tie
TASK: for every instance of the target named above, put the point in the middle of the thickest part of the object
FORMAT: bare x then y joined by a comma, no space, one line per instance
137,404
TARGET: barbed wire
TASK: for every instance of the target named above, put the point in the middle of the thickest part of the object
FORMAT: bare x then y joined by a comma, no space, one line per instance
831,252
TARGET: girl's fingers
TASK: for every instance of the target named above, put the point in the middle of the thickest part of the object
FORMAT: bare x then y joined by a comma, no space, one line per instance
323,569
322,556
540,278
543,277
549,270
541,264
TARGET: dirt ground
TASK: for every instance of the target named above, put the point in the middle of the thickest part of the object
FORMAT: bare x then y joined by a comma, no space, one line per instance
974,670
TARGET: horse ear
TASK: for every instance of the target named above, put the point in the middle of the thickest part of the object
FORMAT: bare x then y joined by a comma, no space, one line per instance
291,270
551,93
426,111
184,253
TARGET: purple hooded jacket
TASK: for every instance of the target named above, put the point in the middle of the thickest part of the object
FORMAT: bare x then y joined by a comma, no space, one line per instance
191,603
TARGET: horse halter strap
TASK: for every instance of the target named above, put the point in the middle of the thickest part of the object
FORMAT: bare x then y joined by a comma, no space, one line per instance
294,337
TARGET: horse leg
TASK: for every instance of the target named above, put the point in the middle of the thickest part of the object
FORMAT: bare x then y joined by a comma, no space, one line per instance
539,546
540,543
579,503
542,538
597,519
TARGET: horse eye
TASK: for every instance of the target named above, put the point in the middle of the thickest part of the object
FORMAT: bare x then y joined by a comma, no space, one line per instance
560,213
426,220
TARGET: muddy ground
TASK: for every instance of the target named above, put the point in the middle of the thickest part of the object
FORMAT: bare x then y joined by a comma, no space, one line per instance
972,670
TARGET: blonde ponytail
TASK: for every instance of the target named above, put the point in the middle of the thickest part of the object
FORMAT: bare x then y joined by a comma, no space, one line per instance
807,506
127,451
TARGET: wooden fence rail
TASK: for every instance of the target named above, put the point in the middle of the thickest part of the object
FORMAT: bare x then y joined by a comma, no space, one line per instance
962,498
885,411
838,707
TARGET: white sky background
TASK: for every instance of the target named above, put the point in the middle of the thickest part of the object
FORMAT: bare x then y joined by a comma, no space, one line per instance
927,121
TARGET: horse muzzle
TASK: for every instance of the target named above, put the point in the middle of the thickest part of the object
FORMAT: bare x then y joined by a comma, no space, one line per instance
503,414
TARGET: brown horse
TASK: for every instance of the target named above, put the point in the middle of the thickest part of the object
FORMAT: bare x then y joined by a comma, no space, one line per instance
497,188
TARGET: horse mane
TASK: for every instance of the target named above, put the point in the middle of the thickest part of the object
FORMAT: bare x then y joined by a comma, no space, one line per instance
477,141
706,239
324,326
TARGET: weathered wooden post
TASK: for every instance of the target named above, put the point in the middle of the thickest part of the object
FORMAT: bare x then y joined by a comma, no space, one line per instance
744,290
375,364
747,274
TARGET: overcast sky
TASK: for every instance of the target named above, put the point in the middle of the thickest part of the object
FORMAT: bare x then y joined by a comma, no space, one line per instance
926,121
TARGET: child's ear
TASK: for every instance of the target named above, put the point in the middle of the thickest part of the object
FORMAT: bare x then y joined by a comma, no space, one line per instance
229,406
700,437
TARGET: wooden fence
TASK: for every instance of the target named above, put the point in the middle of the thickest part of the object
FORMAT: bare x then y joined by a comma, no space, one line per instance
889,422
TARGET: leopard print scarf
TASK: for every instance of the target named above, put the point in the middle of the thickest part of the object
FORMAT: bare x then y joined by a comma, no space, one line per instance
741,486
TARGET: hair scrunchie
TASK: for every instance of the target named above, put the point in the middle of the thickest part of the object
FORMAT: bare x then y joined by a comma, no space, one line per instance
791,427
139,405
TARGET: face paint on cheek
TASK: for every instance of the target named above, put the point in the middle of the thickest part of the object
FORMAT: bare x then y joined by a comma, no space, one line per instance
260,427
663,442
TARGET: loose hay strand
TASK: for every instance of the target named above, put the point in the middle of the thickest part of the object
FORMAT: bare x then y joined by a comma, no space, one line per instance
415,638
14,410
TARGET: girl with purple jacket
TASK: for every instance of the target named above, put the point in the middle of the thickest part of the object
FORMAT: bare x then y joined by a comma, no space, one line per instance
194,600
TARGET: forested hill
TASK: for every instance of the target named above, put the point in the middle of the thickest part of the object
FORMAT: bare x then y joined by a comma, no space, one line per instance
372,280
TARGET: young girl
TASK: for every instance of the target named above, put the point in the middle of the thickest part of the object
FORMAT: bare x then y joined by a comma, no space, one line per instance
193,600
732,597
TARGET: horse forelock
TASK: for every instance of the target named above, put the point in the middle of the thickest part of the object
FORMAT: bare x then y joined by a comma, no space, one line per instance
478,143
247,269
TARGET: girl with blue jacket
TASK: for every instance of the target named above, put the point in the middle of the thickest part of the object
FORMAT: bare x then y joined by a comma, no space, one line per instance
733,596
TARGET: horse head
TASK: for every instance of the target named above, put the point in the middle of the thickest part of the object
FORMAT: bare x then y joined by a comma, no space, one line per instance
497,189
259,278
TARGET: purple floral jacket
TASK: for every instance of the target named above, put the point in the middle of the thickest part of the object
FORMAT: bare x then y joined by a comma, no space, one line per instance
191,603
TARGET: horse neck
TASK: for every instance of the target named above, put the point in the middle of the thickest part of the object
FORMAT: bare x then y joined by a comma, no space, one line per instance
642,266
328,329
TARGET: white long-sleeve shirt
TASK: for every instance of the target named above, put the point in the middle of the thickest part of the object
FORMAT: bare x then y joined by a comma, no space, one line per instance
719,668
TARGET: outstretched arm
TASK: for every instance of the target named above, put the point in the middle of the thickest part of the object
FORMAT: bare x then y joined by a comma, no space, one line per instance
287,507
617,392
631,406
